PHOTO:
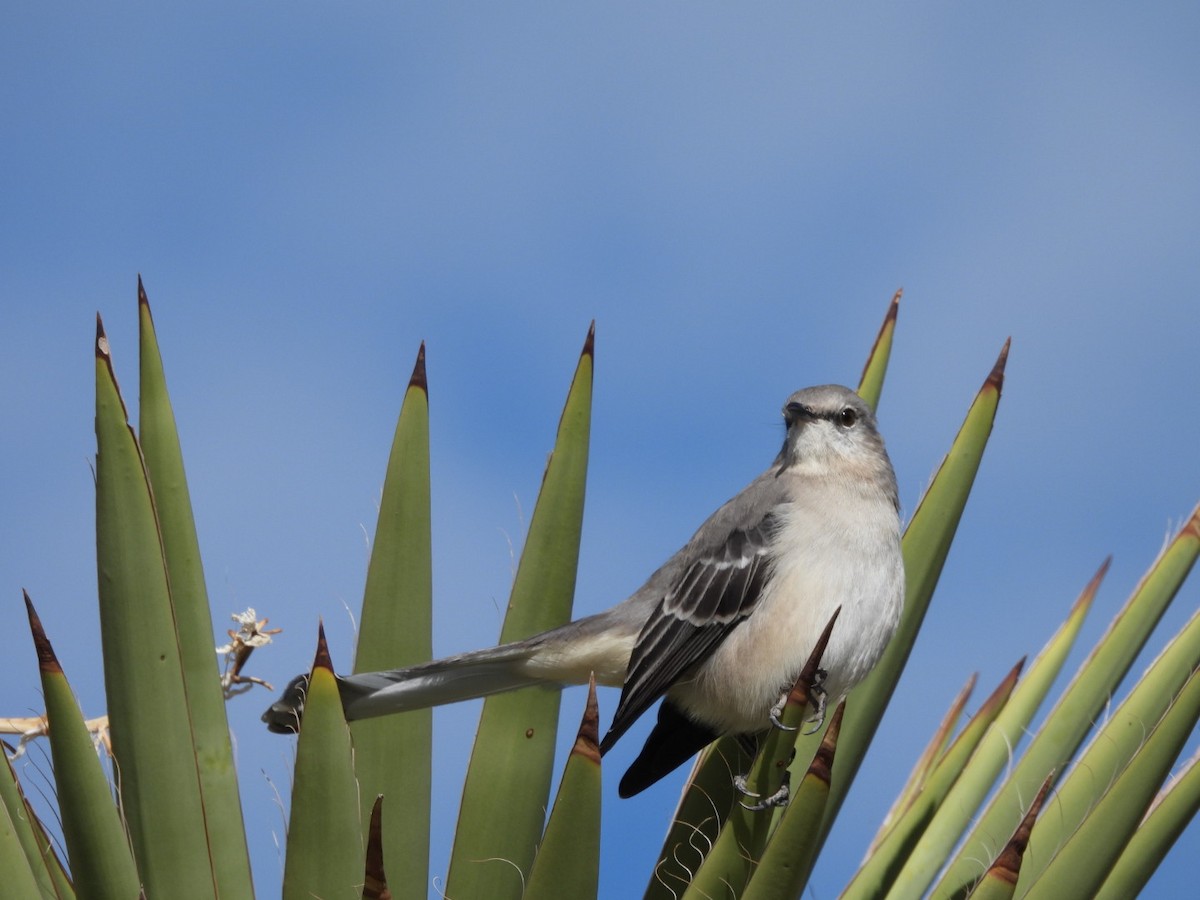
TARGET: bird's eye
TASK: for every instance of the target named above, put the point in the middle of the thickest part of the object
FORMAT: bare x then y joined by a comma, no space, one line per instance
848,417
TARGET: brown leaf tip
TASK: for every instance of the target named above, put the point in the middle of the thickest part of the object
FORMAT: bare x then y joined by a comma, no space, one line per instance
47,661
1000,695
1084,600
822,765
894,308
803,687
885,331
1193,524
814,659
376,887
418,379
835,727
589,343
995,379
969,687
1007,866
322,660
143,300
587,741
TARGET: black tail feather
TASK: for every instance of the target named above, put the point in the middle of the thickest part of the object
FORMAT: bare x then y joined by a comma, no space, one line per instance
674,740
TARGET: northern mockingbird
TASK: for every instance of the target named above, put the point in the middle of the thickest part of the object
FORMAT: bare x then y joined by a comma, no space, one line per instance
722,629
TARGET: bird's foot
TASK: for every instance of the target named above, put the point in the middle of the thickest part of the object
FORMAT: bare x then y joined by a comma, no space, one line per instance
780,798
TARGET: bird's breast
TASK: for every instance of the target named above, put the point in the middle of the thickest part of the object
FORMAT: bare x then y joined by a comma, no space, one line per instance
824,558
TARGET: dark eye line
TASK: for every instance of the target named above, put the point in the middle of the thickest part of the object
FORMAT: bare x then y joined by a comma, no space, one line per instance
847,416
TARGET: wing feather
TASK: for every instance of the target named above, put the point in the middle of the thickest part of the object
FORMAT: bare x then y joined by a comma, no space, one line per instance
714,593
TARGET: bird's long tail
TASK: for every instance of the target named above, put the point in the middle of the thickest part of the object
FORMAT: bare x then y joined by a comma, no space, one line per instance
462,677
598,645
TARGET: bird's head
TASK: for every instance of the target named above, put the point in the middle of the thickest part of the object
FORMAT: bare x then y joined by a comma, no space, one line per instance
830,425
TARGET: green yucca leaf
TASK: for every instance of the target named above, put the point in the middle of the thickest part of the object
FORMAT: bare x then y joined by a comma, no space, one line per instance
325,856
14,854
787,859
508,783
1078,867
568,861
49,855
870,385
707,797
392,753
159,441
887,857
730,863
929,757
101,862
1171,813
1119,741
153,744
1000,880
19,846
1071,719
998,884
952,817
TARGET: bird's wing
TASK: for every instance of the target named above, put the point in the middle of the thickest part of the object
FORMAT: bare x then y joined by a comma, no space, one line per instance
715,591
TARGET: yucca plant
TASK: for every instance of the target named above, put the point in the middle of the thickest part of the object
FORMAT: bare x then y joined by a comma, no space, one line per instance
359,814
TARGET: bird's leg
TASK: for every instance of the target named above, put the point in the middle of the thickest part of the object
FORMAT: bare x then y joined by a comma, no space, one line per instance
819,697
779,798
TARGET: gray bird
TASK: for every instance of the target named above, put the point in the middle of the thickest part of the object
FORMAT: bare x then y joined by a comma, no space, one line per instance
722,629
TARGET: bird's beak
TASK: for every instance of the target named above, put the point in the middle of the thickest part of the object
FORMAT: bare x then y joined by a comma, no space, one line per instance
796,412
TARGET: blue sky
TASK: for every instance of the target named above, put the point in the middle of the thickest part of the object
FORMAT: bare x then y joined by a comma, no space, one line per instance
732,193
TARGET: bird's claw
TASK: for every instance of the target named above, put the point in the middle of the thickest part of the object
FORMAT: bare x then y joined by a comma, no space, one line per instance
776,713
778,799
820,698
